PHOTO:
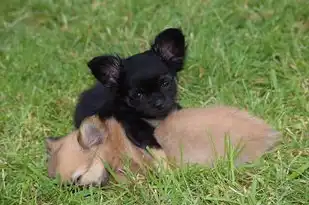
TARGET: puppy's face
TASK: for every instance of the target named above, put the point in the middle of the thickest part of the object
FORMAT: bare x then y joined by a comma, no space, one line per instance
148,85
79,157
146,82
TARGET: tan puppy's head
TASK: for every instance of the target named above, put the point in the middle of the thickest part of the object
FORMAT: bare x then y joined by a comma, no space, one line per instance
79,157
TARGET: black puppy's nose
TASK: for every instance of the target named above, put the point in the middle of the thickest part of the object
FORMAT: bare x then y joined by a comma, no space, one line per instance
159,104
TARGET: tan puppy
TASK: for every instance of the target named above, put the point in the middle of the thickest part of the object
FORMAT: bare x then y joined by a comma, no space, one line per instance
195,135
199,135
79,157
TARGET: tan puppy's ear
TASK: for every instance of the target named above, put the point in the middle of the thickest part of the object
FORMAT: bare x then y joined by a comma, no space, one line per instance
52,144
92,132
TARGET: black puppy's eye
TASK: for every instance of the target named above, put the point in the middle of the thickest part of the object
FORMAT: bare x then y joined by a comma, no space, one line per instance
138,95
165,83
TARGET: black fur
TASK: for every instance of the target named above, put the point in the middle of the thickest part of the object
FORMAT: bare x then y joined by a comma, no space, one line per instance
96,99
136,89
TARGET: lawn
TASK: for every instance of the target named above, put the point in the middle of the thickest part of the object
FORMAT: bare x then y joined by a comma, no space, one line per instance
250,54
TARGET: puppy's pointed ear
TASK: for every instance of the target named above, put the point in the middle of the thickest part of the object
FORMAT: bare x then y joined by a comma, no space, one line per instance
106,69
92,132
170,46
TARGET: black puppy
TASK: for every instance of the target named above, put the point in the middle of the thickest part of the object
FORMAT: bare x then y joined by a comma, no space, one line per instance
139,90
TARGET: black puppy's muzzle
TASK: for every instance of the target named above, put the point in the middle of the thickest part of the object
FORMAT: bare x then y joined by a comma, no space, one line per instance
159,104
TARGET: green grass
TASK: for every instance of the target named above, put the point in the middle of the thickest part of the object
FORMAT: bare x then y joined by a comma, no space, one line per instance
250,54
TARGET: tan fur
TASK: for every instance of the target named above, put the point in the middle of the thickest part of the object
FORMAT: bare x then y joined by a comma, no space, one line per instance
197,135
69,159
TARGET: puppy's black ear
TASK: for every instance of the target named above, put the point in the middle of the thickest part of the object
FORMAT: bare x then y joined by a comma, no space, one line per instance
170,46
106,69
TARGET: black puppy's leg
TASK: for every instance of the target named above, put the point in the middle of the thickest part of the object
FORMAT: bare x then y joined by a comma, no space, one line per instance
96,100
137,130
